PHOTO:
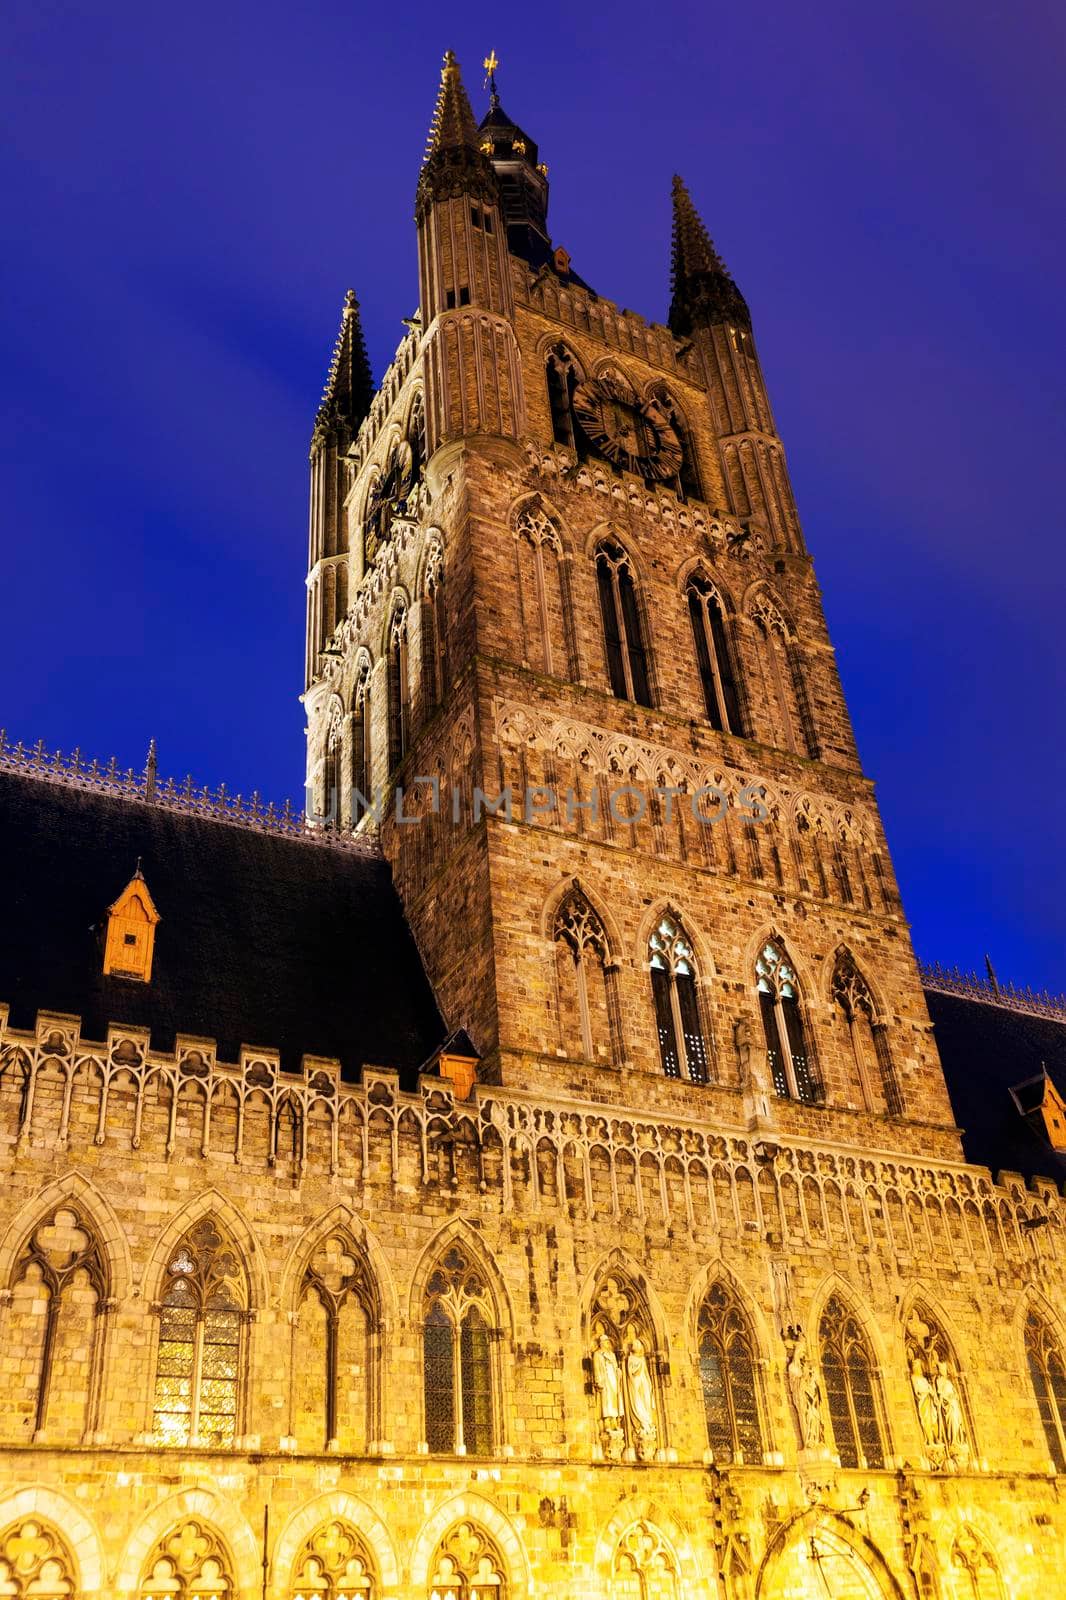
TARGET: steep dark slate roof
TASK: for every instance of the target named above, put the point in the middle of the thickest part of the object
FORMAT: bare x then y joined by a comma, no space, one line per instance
986,1050
264,940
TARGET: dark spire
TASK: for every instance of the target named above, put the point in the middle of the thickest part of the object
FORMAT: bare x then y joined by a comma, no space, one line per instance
350,383
703,291
454,164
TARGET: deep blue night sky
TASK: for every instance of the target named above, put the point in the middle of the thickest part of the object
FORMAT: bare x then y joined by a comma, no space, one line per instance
190,190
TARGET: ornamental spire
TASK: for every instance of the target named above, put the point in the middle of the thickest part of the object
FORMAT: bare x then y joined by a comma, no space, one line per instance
454,164
703,291
350,383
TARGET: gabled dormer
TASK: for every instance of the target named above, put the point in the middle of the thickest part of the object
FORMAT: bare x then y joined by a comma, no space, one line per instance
129,938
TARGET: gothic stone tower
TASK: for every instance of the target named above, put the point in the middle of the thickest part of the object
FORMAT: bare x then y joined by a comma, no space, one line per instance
557,559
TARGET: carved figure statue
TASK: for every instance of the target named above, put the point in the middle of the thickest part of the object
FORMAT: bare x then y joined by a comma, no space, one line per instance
952,1420
806,1388
607,1378
641,1396
925,1398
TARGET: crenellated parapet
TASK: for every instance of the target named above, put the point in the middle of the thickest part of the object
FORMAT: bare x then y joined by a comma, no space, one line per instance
511,1153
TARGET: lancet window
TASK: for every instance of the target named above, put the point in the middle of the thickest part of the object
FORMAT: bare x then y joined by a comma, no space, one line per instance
458,1337
59,1288
787,1051
682,1049
728,1378
850,1388
583,955
335,1352
398,687
867,1038
563,378
1047,1374
201,1322
627,658
713,656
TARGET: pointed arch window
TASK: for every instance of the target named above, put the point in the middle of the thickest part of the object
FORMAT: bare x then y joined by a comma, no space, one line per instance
868,1039
59,1287
728,1379
362,770
627,659
782,689
467,1566
581,944
331,771
434,634
399,709
686,484
198,1362
850,1388
458,1340
546,629
189,1561
677,1011
644,1568
1047,1373
562,378
334,1564
713,656
35,1562
333,1347
782,1019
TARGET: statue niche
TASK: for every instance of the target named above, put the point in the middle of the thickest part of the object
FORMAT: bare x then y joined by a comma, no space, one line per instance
937,1396
624,1370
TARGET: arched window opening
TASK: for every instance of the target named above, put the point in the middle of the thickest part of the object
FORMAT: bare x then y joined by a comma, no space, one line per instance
334,1564
677,1011
190,1563
562,380
850,1388
1047,1373
644,1568
627,661
399,711
541,595
937,1389
330,809
434,635
59,1287
467,1566
728,1379
624,1365
713,657
416,438
583,956
35,1564
782,1019
686,483
868,1038
362,770
780,691
334,1361
458,1336
199,1357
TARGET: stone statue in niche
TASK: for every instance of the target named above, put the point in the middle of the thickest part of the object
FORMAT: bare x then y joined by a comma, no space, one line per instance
608,1380
937,1400
644,1428
805,1387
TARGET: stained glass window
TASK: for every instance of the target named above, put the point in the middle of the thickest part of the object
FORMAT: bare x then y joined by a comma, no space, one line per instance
457,1363
198,1359
728,1380
850,1390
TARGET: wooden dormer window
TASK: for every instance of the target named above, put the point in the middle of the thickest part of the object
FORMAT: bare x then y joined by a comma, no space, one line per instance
130,935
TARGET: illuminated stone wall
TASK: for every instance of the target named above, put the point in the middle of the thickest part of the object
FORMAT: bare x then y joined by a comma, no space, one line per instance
564,1218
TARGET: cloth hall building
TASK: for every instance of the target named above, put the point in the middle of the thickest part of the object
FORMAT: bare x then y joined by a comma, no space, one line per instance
531,1176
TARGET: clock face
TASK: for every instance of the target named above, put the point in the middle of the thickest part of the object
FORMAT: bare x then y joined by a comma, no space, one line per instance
633,434
386,497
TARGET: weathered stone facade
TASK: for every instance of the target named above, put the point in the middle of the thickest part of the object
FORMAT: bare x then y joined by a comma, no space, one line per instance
659,1311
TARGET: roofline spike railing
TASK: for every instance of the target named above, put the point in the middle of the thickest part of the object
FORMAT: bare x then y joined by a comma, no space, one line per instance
170,794
975,986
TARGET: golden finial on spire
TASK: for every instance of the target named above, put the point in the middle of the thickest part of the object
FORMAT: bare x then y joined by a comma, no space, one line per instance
490,63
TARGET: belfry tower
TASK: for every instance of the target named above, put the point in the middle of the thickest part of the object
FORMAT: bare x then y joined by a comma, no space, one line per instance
564,625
